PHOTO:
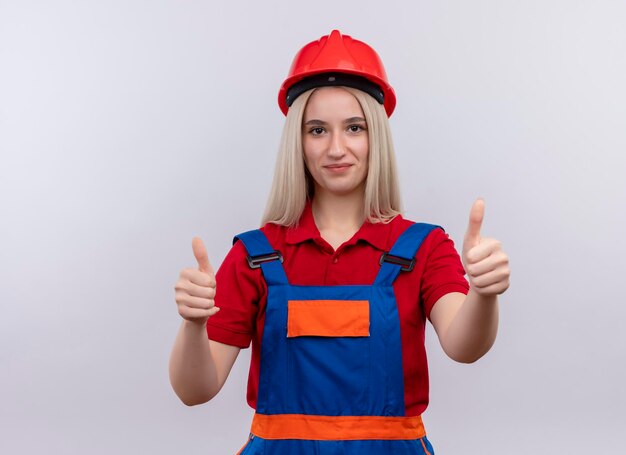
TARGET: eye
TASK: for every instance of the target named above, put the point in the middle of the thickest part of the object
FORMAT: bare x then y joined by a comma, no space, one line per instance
316,131
356,128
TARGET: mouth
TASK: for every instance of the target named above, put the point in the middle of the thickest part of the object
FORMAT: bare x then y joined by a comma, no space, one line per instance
338,166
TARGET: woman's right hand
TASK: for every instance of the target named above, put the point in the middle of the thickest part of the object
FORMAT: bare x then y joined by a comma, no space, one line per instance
195,289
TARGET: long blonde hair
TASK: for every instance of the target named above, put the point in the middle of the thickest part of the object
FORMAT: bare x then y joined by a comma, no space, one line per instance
292,182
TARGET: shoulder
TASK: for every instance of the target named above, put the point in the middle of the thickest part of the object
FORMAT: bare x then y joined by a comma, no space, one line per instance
399,225
273,230
274,233
235,266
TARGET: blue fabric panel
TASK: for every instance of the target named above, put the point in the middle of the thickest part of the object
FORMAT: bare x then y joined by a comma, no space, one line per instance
273,368
389,351
332,375
260,446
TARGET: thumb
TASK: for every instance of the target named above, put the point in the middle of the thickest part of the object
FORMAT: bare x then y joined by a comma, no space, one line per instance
472,235
199,251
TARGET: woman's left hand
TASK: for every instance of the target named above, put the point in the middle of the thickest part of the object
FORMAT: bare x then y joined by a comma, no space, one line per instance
486,264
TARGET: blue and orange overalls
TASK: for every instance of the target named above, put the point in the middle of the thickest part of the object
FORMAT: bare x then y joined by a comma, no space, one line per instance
331,379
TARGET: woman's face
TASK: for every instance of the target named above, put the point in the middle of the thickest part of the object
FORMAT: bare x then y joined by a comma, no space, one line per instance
335,141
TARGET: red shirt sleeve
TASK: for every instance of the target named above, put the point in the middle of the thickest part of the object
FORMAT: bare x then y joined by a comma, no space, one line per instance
237,293
443,273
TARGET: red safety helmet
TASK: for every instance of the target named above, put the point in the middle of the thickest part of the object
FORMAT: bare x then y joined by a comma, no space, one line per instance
337,59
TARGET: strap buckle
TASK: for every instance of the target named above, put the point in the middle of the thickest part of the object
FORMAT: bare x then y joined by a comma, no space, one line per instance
256,261
407,265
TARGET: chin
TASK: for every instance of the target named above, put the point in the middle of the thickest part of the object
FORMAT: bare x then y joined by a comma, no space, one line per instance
341,191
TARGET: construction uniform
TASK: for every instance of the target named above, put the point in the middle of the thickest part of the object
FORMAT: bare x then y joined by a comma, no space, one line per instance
331,376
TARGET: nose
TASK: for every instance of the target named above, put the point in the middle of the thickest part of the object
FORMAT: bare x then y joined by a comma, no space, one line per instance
336,147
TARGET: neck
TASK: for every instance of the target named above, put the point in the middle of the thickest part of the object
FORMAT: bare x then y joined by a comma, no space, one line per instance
338,212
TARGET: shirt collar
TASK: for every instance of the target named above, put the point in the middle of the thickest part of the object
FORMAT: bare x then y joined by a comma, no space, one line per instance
376,234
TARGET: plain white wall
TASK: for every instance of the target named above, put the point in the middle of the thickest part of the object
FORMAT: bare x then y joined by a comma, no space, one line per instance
128,127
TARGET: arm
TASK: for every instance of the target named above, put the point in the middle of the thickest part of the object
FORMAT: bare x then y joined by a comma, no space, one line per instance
198,366
467,325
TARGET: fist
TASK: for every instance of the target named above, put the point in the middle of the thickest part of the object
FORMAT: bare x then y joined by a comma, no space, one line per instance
486,264
195,288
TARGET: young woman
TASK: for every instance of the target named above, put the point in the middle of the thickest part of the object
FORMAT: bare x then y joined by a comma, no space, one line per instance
333,291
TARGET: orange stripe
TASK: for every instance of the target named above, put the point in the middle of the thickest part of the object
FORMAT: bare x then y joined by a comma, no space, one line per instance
424,446
315,427
329,318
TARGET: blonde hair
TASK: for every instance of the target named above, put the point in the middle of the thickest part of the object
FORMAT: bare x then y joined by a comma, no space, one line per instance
292,183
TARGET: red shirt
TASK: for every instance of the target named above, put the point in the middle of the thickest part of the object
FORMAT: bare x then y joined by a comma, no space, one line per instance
241,292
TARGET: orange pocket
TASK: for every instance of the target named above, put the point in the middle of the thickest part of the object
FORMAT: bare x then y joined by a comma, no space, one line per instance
328,318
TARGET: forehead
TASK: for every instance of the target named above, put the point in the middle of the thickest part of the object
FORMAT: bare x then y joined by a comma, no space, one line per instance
332,102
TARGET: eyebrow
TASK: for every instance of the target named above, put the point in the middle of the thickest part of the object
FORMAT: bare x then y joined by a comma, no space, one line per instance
322,123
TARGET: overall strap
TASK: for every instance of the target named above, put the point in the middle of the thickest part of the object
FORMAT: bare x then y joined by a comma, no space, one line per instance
261,254
401,257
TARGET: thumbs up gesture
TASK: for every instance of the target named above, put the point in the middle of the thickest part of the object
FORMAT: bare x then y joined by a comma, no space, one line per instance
195,288
486,264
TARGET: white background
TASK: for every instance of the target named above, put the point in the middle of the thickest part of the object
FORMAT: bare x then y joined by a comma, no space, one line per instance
128,127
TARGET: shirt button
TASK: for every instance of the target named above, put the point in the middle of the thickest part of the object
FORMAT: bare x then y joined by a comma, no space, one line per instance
335,260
